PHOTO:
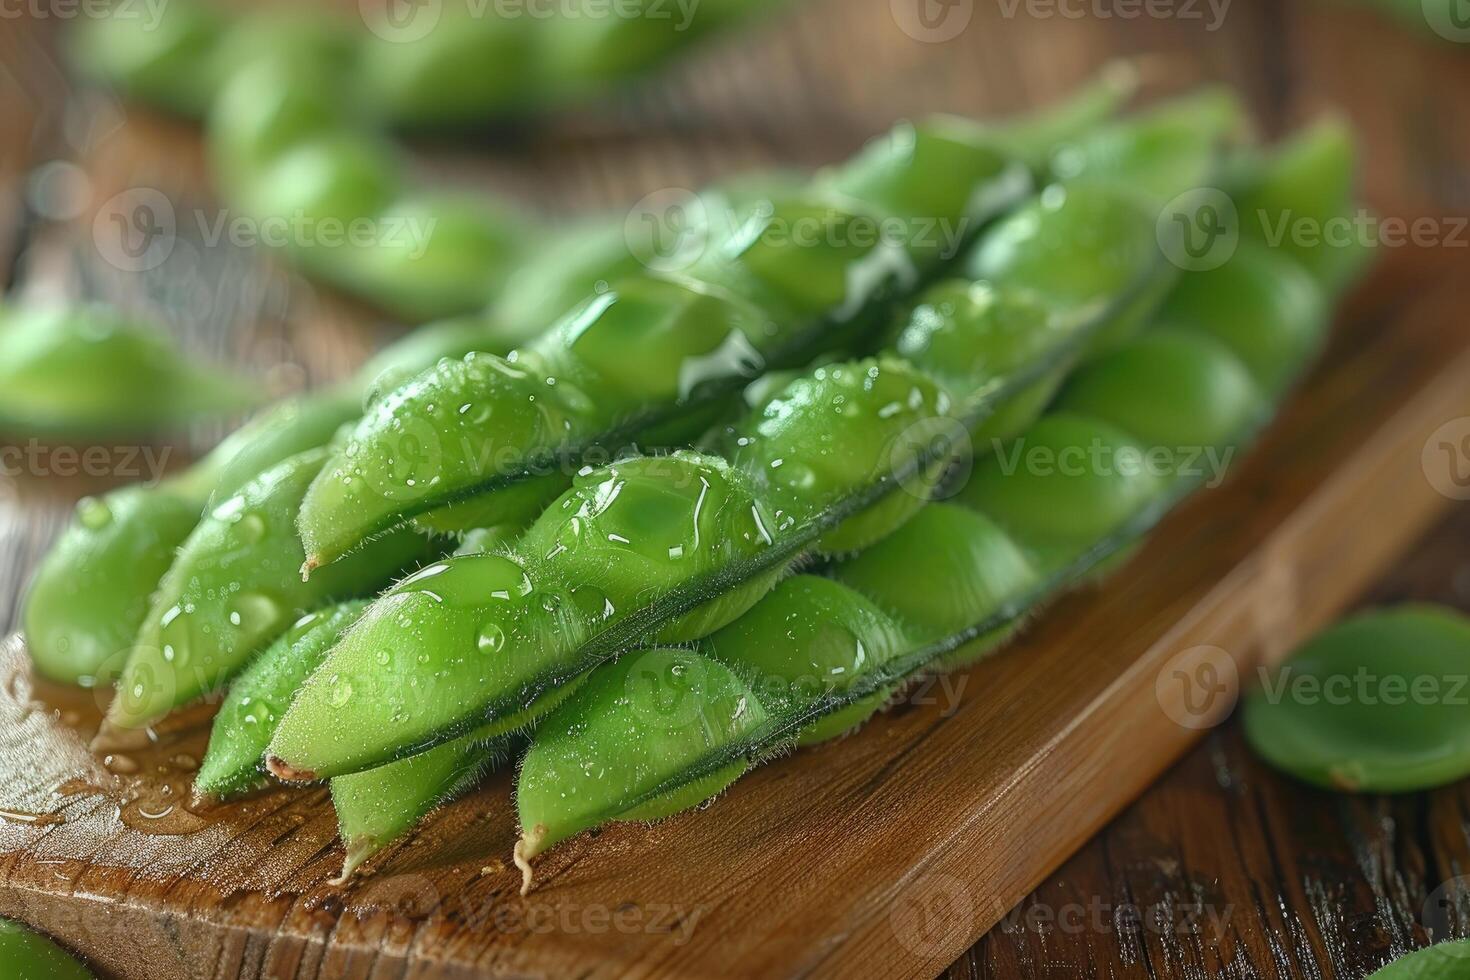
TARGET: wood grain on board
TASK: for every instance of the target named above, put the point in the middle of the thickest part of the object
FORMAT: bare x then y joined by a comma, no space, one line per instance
887,853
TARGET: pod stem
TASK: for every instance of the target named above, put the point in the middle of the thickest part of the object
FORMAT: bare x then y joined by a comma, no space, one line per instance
285,772
359,849
526,848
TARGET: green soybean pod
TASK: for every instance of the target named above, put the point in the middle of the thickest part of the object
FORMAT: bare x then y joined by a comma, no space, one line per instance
29,955
758,292
1081,246
959,567
653,709
88,369
1368,705
377,806
234,587
1446,959
1299,198
264,109
1181,394
258,697
1035,137
80,619
1261,304
808,638
617,537
1063,484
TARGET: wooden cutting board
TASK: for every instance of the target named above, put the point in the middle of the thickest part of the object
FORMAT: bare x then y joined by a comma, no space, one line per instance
884,854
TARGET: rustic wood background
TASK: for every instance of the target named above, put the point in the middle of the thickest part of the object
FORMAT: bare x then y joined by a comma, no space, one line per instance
1301,883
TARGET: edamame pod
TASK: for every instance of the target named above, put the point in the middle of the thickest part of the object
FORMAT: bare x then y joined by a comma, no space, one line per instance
258,697
656,705
377,806
887,414
766,290
89,370
233,588
972,575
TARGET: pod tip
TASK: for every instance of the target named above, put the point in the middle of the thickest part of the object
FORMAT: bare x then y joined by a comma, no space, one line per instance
311,564
359,849
283,770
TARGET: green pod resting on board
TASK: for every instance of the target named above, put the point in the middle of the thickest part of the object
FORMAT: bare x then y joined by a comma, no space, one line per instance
234,587
1447,959
501,622
650,708
120,544
233,763
886,425
88,370
1369,705
971,576
759,296
378,806
29,955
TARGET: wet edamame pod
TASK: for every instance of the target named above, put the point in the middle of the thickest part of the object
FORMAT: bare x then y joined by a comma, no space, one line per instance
234,587
258,697
1370,705
970,575
759,296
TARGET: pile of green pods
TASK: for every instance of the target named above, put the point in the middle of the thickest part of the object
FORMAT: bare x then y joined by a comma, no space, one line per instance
296,101
847,498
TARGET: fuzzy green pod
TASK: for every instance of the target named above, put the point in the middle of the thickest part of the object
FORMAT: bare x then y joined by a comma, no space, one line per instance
264,110
835,432
497,637
1089,248
234,587
375,807
810,637
1261,304
233,763
29,955
88,370
1181,394
653,708
1063,484
79,623
1370,705
959,566
760,292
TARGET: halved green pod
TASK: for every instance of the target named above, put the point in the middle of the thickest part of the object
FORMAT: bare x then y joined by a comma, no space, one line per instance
654,709
375,807
234,761
1371,705
234,587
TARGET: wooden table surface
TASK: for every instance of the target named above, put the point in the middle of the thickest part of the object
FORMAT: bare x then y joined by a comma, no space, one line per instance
1223,868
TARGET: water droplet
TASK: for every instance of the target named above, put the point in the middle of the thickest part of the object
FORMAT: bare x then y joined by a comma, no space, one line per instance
491,638
341,691
253,611
93,513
